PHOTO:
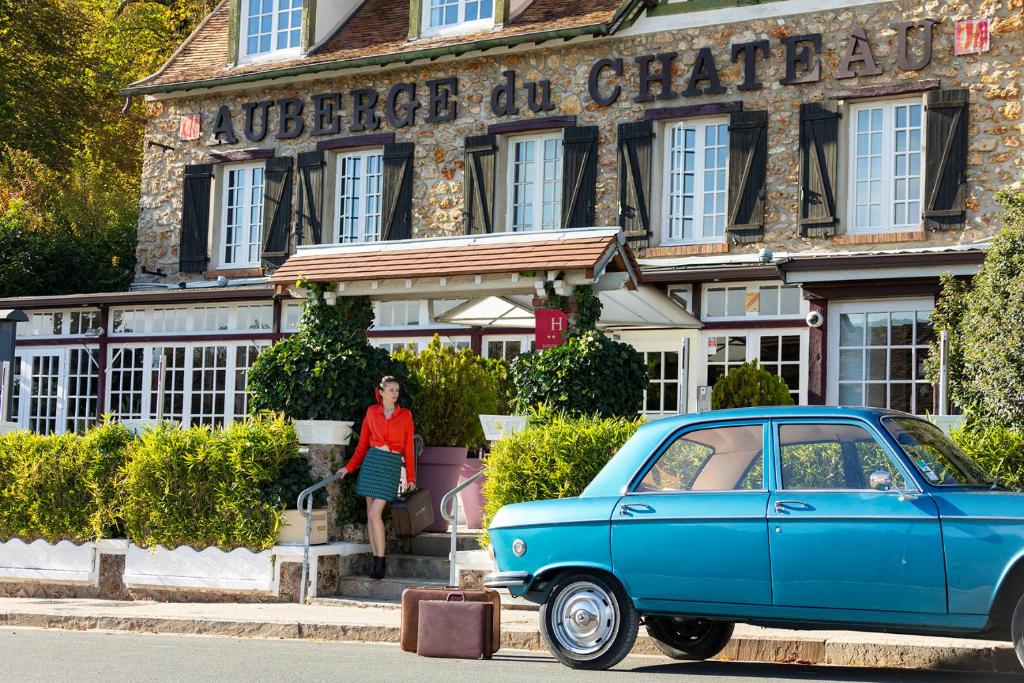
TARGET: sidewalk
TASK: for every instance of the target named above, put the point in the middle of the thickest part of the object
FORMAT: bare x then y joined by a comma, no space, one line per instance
348,620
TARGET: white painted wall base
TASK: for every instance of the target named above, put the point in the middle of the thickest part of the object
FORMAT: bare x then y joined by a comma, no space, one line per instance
64,562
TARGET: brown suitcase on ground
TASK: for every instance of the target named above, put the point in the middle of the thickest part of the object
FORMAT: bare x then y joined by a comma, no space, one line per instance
411,598
412,513
455,628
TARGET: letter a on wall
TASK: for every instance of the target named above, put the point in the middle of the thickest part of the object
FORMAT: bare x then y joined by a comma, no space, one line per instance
551,326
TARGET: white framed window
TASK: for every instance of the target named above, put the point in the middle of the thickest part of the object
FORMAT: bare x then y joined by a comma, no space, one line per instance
682,295
662,394
886,143
76,322
291,317
877,353
270,29
752,300
456,16
695,181
397,314
358,193
177,320
534,182
781,351
506,347
242,215
56,389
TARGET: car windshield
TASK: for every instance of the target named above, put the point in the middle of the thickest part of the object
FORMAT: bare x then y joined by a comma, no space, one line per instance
937,458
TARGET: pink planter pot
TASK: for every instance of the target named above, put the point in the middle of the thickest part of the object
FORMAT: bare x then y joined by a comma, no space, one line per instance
439,469
471,499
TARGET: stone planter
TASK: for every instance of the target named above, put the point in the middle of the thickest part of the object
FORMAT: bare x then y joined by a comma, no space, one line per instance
293,529
185,567
63,563
471,498
439,468
329,432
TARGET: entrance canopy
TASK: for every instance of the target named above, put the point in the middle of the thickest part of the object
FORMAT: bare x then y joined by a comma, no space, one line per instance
502,264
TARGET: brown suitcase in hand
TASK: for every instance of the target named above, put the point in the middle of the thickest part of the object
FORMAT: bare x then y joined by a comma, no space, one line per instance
412,512
412,597
455,628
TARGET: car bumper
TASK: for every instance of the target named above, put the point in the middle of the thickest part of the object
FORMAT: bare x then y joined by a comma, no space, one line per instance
509,580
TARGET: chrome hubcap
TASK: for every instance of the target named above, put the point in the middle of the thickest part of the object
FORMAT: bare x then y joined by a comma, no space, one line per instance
585,619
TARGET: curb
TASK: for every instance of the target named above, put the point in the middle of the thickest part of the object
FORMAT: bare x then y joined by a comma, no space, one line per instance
997,658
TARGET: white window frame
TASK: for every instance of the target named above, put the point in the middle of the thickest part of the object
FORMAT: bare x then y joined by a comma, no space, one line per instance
837,308
753,350
226,319
525,342
700,126
888,161
64,398
460,25
246,57
750,287
364,182
248,243
537,201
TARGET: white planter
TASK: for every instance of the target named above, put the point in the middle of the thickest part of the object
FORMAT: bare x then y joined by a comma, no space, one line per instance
208,569
137,427
947,422
497,426
8,427
64,562
330,432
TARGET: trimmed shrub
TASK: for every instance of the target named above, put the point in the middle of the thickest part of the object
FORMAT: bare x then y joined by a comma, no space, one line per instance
61,487
501,375
555,457
749,385
205,487
587,374
998,449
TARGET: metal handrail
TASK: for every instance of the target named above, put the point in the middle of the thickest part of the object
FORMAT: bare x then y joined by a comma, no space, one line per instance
305,506
452,517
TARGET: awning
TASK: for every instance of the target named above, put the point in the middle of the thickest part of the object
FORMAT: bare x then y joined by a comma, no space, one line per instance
466,267
492,311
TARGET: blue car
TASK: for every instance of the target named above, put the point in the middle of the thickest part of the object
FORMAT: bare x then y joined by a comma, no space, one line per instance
797,517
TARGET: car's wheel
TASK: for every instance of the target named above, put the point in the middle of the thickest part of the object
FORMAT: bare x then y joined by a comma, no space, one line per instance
588,621
1017,630
695,639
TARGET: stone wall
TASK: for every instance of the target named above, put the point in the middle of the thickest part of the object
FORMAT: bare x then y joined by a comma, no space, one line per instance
994,79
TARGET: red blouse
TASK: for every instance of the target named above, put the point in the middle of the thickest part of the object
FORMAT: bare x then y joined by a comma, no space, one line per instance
395,434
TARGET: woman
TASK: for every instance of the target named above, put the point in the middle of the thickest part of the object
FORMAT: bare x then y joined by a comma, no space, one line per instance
386,439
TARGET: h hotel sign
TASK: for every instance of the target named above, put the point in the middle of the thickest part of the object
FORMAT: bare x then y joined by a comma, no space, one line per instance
551,326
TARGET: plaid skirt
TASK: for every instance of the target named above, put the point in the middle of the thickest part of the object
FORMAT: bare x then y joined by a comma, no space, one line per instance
379,475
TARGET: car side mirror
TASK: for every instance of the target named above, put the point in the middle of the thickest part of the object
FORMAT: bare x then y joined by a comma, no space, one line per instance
880,480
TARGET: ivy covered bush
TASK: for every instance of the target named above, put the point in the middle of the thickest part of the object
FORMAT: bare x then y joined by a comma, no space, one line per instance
61,487
749,385
557,456
328,370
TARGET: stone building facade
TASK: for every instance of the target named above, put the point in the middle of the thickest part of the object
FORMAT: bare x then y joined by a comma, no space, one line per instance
794,176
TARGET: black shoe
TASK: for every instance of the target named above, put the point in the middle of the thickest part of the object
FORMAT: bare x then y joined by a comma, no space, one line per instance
383,568
377,571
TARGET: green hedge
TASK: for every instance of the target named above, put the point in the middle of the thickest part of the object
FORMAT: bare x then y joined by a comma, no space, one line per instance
61,487
555,457
998,449
205,487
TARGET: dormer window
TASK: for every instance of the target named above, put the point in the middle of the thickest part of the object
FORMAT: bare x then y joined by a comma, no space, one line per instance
457,16
271,29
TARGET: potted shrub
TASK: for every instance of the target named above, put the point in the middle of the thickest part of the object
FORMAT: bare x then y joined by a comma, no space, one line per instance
749,385
323,377
453,390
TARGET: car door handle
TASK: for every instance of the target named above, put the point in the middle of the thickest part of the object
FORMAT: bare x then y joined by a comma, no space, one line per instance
629,509
787,505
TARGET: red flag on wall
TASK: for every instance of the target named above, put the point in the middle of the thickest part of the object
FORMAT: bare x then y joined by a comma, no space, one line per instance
551,326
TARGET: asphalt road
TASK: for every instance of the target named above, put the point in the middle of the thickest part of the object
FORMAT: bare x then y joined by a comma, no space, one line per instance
54,655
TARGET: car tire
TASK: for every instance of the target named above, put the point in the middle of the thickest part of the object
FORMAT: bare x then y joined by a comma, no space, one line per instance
1017,630
588,621
690,639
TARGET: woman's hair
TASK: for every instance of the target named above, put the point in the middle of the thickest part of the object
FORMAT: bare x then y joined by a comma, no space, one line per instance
389,379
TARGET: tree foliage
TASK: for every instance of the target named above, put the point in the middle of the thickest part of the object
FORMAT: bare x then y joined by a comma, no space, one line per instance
749,385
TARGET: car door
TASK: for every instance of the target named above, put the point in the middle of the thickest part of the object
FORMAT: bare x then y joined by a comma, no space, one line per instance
692,526
841,535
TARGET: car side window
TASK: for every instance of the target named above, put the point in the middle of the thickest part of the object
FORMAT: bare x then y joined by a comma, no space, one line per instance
713,459
834,456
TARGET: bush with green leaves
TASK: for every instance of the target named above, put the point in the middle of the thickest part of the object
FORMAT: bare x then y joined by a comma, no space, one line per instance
997,448
749,385
587,374
453,390
986,327
328,370
61,487
557,456
206,487
501,374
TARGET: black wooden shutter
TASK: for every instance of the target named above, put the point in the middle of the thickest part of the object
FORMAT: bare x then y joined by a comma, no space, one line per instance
819,163
193,253
481,161
636,142
277,210
945,163
579,176
748,169
396,215
311,198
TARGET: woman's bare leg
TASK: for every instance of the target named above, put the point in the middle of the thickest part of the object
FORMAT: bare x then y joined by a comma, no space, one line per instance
369,526
376,525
